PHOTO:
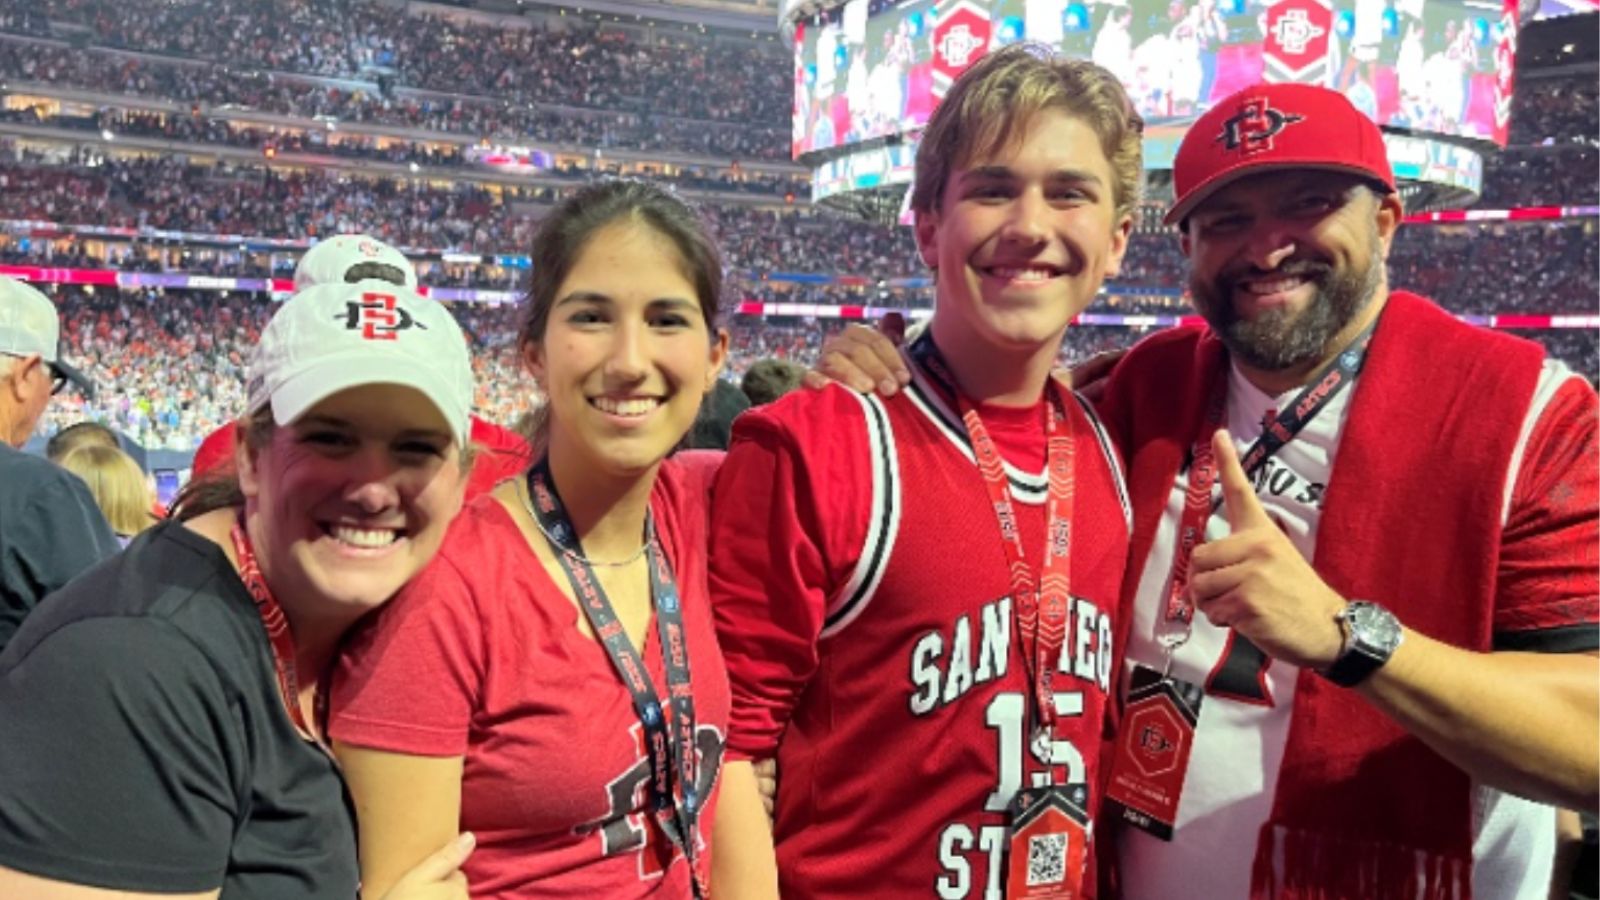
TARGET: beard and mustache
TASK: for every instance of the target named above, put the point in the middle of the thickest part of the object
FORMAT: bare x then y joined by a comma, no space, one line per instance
1281,339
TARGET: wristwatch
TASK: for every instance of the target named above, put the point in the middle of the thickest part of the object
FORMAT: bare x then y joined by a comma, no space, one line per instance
1371,634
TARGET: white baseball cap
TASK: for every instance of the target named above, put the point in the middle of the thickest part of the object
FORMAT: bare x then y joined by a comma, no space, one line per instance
330,261
332,337
29,324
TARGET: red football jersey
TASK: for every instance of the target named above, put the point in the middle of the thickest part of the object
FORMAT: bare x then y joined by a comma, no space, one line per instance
862,595
480,656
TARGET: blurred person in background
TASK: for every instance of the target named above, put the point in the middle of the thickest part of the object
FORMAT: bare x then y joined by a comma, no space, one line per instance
714,424
95,434
125,495
79,434
50,528
768,379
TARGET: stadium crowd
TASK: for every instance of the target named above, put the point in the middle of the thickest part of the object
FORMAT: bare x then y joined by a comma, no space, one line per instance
1470,264
265,201
671,91
320,144
578,83
171,194
639,126
167,383
1554,110
741,81
1562,175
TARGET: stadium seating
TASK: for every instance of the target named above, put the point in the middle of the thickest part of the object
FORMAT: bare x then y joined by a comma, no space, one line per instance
720,96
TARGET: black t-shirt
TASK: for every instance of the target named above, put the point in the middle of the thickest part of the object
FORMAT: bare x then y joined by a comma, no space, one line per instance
50,530
144,745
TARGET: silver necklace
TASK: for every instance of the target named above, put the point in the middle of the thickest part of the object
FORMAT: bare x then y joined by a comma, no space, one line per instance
527,501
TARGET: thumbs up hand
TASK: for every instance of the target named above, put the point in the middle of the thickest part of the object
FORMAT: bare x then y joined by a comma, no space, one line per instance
1255,581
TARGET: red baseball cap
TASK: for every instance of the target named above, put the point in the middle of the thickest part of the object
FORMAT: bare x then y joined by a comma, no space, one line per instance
1275,126
215,453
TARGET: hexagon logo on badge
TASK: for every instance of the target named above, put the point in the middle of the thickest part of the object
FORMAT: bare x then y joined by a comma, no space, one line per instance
1158,739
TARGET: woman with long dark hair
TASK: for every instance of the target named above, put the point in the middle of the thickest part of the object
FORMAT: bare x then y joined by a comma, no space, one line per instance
552,681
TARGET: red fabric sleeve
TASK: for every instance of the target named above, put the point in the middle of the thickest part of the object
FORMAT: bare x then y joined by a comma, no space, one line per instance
789,517
1549,579
502,454
409,681
699,468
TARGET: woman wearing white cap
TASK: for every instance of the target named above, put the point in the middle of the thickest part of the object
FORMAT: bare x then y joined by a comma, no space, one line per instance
580,740
164,730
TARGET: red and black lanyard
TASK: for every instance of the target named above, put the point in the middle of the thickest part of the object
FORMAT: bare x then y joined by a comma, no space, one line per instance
671,756
1039,608
1280,428
279,638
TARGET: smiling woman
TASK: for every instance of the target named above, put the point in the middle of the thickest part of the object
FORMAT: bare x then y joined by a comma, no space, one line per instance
581,741
164,731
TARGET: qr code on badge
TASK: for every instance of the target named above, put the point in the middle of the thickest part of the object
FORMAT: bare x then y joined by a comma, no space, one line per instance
1047,859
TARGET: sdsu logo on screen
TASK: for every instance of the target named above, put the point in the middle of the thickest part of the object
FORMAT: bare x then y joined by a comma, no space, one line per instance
1295,32
1297,43
957,47
960,39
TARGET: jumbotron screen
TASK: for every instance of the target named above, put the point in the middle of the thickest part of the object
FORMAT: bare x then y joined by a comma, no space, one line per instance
874,68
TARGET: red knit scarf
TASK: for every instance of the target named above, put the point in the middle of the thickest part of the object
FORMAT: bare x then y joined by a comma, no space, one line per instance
1411,519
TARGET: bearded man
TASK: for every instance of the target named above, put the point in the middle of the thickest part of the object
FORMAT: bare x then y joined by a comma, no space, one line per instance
1387,522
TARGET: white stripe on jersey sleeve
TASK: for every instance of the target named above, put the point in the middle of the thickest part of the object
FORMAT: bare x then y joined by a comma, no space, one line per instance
1113,459
883,521
1554,376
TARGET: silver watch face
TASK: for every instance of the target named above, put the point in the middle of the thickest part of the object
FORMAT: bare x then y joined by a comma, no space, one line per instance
1372,626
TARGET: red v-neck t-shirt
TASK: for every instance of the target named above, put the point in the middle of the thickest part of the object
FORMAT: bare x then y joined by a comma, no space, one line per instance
481,657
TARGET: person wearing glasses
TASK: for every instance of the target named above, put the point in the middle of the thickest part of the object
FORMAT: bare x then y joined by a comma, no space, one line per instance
50,527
